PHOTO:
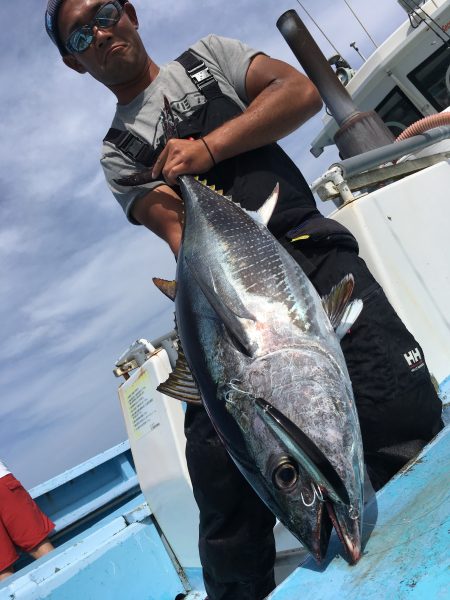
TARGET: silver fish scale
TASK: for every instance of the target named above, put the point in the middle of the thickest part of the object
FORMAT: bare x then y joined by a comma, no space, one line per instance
261,261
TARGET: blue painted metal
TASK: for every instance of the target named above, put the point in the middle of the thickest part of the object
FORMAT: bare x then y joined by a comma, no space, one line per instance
122,557
88,487
406,553
195,578
444,395
120,554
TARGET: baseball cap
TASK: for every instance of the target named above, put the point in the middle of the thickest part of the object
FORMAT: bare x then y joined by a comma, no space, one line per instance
51,24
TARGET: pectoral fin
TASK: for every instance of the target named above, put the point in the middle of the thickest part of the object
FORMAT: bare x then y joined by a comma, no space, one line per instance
225,302
341,312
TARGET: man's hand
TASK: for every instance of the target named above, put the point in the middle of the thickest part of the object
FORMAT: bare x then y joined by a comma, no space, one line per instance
182,157
281,99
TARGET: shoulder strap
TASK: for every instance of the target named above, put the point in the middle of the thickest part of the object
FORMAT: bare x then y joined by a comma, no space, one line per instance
139,150
131,146
200,74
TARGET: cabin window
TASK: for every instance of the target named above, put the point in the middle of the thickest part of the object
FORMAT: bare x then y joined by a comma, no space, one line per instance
432,78
397,111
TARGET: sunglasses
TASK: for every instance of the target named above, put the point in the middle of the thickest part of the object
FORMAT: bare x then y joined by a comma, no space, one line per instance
107,16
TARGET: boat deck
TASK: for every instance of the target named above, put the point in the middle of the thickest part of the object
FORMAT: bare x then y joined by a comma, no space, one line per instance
406,541
123,555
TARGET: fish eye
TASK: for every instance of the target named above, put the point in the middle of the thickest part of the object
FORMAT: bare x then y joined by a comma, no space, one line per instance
285,474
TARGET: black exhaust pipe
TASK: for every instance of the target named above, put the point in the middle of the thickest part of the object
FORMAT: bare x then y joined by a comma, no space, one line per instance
358,131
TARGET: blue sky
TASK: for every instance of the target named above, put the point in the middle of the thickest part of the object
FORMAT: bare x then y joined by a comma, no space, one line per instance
76,276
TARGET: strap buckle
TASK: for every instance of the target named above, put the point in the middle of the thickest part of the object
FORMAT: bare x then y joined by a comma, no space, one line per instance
200,75
131,145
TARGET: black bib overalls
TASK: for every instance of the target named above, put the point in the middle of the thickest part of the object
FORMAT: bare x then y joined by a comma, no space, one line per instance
398,408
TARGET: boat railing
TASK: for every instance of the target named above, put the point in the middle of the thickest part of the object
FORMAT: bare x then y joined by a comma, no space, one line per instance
80,492
335,181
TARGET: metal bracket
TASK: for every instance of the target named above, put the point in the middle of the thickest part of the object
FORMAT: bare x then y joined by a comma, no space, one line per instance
135,356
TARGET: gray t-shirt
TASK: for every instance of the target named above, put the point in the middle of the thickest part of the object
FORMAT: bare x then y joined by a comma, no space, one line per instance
228,61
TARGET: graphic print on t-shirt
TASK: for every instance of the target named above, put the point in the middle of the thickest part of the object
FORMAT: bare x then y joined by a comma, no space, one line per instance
181,109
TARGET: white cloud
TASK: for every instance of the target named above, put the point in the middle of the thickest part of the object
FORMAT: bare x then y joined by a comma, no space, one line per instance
76,278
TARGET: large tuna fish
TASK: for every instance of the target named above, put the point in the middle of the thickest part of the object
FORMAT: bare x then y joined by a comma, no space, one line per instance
269,368
267,363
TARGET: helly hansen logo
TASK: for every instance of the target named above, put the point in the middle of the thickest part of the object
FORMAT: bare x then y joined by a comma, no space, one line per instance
414,359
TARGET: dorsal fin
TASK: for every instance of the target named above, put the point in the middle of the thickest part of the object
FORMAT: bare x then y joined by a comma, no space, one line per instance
168,288
266,210
180,384
341,312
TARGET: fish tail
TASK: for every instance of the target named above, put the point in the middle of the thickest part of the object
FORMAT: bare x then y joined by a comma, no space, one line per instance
169,123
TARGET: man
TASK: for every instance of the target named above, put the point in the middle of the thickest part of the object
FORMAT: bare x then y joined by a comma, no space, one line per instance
22,524
233,103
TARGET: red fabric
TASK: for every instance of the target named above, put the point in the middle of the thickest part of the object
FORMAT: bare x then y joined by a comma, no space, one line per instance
22,523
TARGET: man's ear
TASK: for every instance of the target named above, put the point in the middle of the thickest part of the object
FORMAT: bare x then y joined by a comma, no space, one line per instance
72,63
131,14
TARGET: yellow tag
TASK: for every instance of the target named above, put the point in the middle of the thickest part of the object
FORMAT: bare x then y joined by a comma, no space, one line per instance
138,401
300,237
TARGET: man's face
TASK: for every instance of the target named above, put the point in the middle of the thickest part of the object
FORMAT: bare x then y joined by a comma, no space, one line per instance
116,54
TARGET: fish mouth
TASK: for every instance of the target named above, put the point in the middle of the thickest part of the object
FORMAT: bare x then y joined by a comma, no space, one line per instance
321,539
348,532
334,506
327,517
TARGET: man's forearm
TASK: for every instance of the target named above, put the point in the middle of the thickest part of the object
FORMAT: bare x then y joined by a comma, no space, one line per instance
277,111
280,100
161,211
